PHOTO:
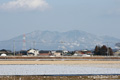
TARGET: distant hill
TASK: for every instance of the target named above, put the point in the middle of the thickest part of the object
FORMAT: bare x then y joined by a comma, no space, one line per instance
53,40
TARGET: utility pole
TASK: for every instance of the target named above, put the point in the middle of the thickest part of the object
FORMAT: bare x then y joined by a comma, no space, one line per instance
108,54
24,42
14,47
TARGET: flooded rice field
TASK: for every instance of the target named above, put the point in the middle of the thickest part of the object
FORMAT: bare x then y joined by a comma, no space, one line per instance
60,72
59,69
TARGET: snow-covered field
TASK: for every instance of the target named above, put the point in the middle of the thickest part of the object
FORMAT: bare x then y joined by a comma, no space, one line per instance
57,69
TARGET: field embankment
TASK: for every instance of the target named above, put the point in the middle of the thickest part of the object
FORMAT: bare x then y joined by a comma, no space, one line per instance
63,57
60,62
89,77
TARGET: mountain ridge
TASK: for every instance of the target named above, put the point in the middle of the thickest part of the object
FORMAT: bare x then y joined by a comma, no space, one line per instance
54,40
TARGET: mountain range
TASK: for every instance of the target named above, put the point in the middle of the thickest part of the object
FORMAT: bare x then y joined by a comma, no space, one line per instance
53,40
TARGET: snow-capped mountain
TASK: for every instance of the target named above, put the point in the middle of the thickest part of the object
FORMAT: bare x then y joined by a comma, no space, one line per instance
53,40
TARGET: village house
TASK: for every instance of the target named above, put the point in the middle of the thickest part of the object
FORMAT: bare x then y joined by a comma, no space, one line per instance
86,51
56,53
32,52
65,52
21,53
59,53
69,53
7,52
78,53
44,53
83,53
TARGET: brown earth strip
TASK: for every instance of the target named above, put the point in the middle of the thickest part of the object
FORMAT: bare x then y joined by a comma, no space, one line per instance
60,62
70,57
98,77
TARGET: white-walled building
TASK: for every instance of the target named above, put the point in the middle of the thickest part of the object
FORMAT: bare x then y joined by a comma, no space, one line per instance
56,53
33,52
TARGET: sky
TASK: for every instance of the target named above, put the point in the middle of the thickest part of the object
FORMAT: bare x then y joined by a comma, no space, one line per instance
100,17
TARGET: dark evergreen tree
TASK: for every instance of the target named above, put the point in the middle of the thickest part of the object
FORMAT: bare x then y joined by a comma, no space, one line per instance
97,50
110,52
103,50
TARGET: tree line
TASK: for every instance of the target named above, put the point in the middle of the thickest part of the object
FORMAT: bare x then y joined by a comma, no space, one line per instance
103,50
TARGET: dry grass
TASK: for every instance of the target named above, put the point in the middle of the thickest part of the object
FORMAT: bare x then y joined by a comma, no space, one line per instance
106,77
60,62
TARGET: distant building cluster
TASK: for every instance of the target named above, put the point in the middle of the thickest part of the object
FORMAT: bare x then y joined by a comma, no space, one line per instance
98,51
35,52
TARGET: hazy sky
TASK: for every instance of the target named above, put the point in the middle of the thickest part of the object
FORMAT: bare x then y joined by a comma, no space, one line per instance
100,17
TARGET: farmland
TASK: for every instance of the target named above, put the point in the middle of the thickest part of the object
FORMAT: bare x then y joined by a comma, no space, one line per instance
94,71
54,68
